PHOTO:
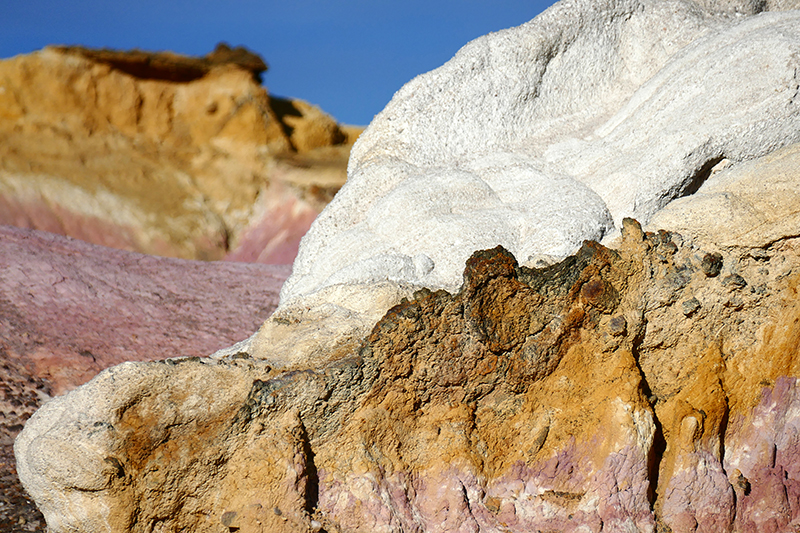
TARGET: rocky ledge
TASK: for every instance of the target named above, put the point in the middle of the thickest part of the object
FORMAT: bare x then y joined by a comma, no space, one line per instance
647,387
168,66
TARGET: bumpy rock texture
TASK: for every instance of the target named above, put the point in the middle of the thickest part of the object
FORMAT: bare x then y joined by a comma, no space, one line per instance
408,383
544,135
164,154
589,395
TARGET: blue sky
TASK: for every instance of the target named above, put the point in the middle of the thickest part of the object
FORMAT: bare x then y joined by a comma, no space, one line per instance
347,56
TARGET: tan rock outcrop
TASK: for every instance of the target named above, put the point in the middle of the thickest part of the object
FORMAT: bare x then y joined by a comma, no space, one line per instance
617,390
162,153
754,204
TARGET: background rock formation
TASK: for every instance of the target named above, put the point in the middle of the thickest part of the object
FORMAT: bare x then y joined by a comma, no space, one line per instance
163,154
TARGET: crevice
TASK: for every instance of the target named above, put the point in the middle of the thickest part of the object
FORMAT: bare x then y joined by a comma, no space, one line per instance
723,430
311,495
700,177
312,476
659,445
281,108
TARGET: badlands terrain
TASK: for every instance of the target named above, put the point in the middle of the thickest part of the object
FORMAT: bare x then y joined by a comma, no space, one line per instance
153,153
557,292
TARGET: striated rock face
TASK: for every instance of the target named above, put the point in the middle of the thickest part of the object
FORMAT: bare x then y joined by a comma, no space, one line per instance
163,154
634,389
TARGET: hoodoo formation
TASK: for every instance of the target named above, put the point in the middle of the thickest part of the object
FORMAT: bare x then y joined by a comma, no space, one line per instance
558,292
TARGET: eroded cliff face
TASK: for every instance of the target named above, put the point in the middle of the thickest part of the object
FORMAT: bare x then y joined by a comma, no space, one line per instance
164,154
648,387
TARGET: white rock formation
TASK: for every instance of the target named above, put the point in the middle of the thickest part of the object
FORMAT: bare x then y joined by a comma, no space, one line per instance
752,205
539,137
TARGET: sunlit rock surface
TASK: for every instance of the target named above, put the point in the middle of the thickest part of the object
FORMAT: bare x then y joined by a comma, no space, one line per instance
164,154
493,372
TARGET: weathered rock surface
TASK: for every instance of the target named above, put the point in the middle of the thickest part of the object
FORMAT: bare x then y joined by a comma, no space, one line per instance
69,309
538,137
645,384
163,154
749,205
578,397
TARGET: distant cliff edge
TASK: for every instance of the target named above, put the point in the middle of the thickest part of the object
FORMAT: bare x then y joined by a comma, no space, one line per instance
164,154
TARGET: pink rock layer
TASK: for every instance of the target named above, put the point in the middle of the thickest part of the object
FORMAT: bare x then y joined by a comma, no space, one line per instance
762,459
39,214
274,237
565,492
69,309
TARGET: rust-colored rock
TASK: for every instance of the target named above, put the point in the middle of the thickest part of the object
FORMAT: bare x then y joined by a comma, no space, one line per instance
575,397
168,66
163,154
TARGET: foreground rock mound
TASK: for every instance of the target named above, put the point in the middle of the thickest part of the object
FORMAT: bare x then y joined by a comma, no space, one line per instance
618,390
163,154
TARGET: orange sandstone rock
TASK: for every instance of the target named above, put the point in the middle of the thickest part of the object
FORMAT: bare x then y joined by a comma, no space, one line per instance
580,396
162,153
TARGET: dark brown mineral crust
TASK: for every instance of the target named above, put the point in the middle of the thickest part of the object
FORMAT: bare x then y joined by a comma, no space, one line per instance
169,66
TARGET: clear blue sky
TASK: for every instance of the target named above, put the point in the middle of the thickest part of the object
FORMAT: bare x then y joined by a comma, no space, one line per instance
347,56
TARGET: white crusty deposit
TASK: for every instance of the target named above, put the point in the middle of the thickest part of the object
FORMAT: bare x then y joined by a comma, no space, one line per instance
539,137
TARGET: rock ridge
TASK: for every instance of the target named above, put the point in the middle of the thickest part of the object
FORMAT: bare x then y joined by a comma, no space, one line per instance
580,396
168,66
